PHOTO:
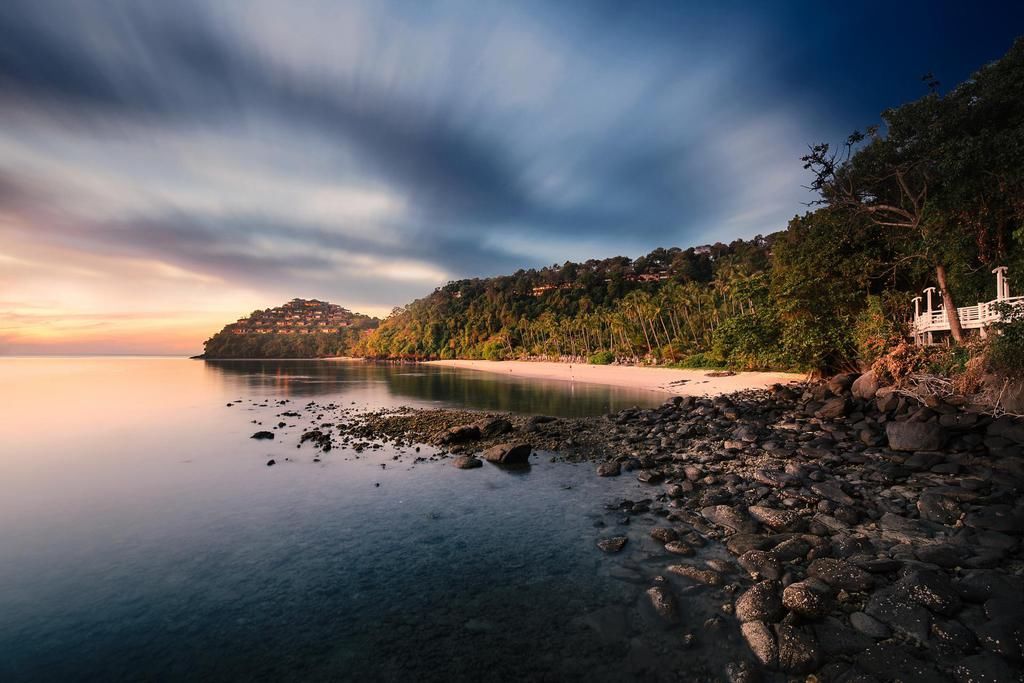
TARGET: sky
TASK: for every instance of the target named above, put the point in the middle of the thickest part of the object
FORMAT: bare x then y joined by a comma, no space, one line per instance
167,167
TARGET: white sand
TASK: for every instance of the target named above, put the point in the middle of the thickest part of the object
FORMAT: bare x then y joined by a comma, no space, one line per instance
666,380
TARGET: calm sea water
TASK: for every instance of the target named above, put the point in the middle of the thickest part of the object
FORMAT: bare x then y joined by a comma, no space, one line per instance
143,537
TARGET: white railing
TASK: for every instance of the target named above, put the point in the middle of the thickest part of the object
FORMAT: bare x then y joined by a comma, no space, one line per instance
971,317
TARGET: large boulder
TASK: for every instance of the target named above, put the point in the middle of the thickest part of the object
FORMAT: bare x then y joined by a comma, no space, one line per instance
509,453
915,436
865,387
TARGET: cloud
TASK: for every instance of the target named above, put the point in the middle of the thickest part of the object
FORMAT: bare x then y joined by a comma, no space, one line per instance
366,151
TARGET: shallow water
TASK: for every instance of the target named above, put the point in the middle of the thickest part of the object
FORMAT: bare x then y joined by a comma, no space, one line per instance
143,537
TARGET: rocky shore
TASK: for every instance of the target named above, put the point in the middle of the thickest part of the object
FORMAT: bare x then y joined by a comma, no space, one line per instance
870,535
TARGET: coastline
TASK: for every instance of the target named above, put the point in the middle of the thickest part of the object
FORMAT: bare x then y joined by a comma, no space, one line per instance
664,380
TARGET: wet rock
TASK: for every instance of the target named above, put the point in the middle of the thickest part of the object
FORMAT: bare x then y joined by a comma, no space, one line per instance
728,517
798,650
915,436
664,534
708,577
650,477
984,668
761,640
262,435
613,544
888,661
761,564
840,574
678,548
509,453
932,590
779,520
761,602
836,639
1005,637
664,604
890,606
807,599
609,469
466,462
461,434
869,626
952,636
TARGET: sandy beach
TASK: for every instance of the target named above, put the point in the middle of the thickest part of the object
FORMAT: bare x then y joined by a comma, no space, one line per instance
667,380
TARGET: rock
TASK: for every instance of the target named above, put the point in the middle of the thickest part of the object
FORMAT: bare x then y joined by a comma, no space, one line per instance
494,426
761,641
900,613
889,661
869,626
779,520
271,462
932,590
466,462
984,668
865,387
915,436
798,650
664,534
728,517
840,574
760,603
760,564
841,382
836,639
807,600
509,454
791,549
886,399
262,435
613,544
953,636
461,434
650,477
997,518
833,408
664,604
708,577
609,469
678,548
833,492
936,507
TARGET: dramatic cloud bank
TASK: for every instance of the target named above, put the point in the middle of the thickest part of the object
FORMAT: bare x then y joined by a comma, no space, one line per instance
167,166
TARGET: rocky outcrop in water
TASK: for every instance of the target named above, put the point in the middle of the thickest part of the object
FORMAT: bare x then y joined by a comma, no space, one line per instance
861,534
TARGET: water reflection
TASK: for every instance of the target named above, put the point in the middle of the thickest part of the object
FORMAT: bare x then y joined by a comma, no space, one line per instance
425,385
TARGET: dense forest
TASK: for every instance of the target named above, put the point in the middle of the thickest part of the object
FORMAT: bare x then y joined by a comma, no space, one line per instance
933,196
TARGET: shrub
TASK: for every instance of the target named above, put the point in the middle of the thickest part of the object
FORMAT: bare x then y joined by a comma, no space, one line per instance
1006,349
874,333
493,349
699,361
602,358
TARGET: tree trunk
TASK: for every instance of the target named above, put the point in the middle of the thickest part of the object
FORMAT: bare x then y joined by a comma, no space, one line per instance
952,315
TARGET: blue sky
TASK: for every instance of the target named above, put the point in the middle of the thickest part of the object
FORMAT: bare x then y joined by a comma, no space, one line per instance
168,166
